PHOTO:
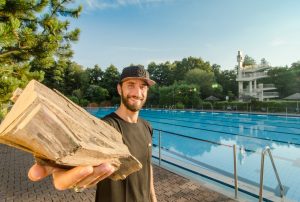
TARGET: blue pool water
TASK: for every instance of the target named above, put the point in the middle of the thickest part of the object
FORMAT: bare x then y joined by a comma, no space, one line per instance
213,134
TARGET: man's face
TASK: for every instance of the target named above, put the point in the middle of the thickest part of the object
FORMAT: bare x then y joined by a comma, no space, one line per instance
133,94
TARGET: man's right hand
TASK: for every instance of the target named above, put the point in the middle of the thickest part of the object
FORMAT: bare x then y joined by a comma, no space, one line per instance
81,176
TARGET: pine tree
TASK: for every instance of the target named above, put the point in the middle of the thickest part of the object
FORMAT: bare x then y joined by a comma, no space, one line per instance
34,38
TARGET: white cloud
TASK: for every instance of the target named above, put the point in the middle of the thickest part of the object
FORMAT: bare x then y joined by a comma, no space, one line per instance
106,4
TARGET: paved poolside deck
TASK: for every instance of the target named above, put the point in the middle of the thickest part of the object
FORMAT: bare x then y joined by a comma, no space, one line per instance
15,186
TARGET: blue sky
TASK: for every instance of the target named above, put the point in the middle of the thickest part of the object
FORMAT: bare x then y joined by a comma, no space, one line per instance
121,32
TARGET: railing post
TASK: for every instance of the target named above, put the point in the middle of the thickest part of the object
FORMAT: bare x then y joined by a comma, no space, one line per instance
276,173
159,147
261,176
235,172
267,149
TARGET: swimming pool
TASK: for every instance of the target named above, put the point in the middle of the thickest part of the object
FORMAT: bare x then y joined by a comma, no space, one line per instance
209,146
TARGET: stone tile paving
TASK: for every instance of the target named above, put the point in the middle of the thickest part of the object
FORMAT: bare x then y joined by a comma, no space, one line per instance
171,187
15,186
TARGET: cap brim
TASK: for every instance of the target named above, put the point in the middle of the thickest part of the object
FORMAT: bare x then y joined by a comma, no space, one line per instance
148,81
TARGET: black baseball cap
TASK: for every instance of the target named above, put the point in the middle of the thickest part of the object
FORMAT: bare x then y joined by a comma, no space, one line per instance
136,72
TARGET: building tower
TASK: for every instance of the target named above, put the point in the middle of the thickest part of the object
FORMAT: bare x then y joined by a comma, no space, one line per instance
250,74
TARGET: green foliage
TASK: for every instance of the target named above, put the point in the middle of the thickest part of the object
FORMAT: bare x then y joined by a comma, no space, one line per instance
83,102
183,93
3,111
73,78
162,73
95,75
179,105
15,76
202,79
96,94
34,42
153,95
74,99
187,64
248,61
110,80
285,79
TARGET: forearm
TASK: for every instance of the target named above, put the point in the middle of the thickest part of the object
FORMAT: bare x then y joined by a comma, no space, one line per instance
153,196
152,190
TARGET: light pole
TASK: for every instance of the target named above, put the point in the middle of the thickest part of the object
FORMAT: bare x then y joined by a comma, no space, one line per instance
173,95
192,90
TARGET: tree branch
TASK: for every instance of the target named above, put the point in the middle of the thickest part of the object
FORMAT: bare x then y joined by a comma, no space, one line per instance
12,51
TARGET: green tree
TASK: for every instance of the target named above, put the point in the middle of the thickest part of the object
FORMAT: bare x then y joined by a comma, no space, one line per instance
295,68
96,94
186,94
95,75
153,96
74,78
264,62
187,64
216,70
161,73
15,76
54,75
202,79
279,74
285,79
32,38
110,80
248,61
166,95
227,79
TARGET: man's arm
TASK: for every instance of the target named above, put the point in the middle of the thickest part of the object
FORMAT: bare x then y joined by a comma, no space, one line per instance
81,176
152,190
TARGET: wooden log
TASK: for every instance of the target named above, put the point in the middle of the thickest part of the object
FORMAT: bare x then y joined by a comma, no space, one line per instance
57,131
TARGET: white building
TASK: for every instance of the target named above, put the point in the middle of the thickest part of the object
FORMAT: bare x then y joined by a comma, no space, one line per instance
248,77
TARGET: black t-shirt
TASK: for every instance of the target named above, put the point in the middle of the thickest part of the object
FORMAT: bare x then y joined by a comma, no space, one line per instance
136,187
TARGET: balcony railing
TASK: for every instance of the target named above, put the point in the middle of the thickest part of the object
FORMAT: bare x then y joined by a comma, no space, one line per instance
268,86
271,94
252,75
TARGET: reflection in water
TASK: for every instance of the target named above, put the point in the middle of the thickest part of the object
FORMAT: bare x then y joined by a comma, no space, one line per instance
183,145
242,155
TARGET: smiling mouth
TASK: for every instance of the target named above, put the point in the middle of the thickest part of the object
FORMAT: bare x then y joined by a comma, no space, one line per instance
135,99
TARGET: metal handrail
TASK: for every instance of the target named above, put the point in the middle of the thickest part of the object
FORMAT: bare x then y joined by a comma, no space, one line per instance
234,155
267,149
236,189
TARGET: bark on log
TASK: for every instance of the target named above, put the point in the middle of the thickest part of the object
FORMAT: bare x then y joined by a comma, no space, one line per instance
57,131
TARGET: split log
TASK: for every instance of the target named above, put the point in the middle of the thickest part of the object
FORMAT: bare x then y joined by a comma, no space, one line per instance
57,131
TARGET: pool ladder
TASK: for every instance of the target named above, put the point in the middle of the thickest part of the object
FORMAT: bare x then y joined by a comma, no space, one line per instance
265,151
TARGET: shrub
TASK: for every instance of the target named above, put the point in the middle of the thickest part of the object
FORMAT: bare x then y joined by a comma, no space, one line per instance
179,105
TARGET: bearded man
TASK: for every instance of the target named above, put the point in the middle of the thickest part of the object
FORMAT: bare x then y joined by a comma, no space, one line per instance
137,133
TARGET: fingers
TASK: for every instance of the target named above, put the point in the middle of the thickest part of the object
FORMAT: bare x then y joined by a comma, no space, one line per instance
65,179
100,172
38,172
81,176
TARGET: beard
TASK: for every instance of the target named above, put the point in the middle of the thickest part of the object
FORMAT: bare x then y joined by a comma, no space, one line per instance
132,107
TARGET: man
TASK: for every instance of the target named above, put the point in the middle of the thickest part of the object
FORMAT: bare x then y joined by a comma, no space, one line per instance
137,187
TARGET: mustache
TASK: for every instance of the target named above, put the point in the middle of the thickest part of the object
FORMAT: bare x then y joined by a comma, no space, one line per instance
135,97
